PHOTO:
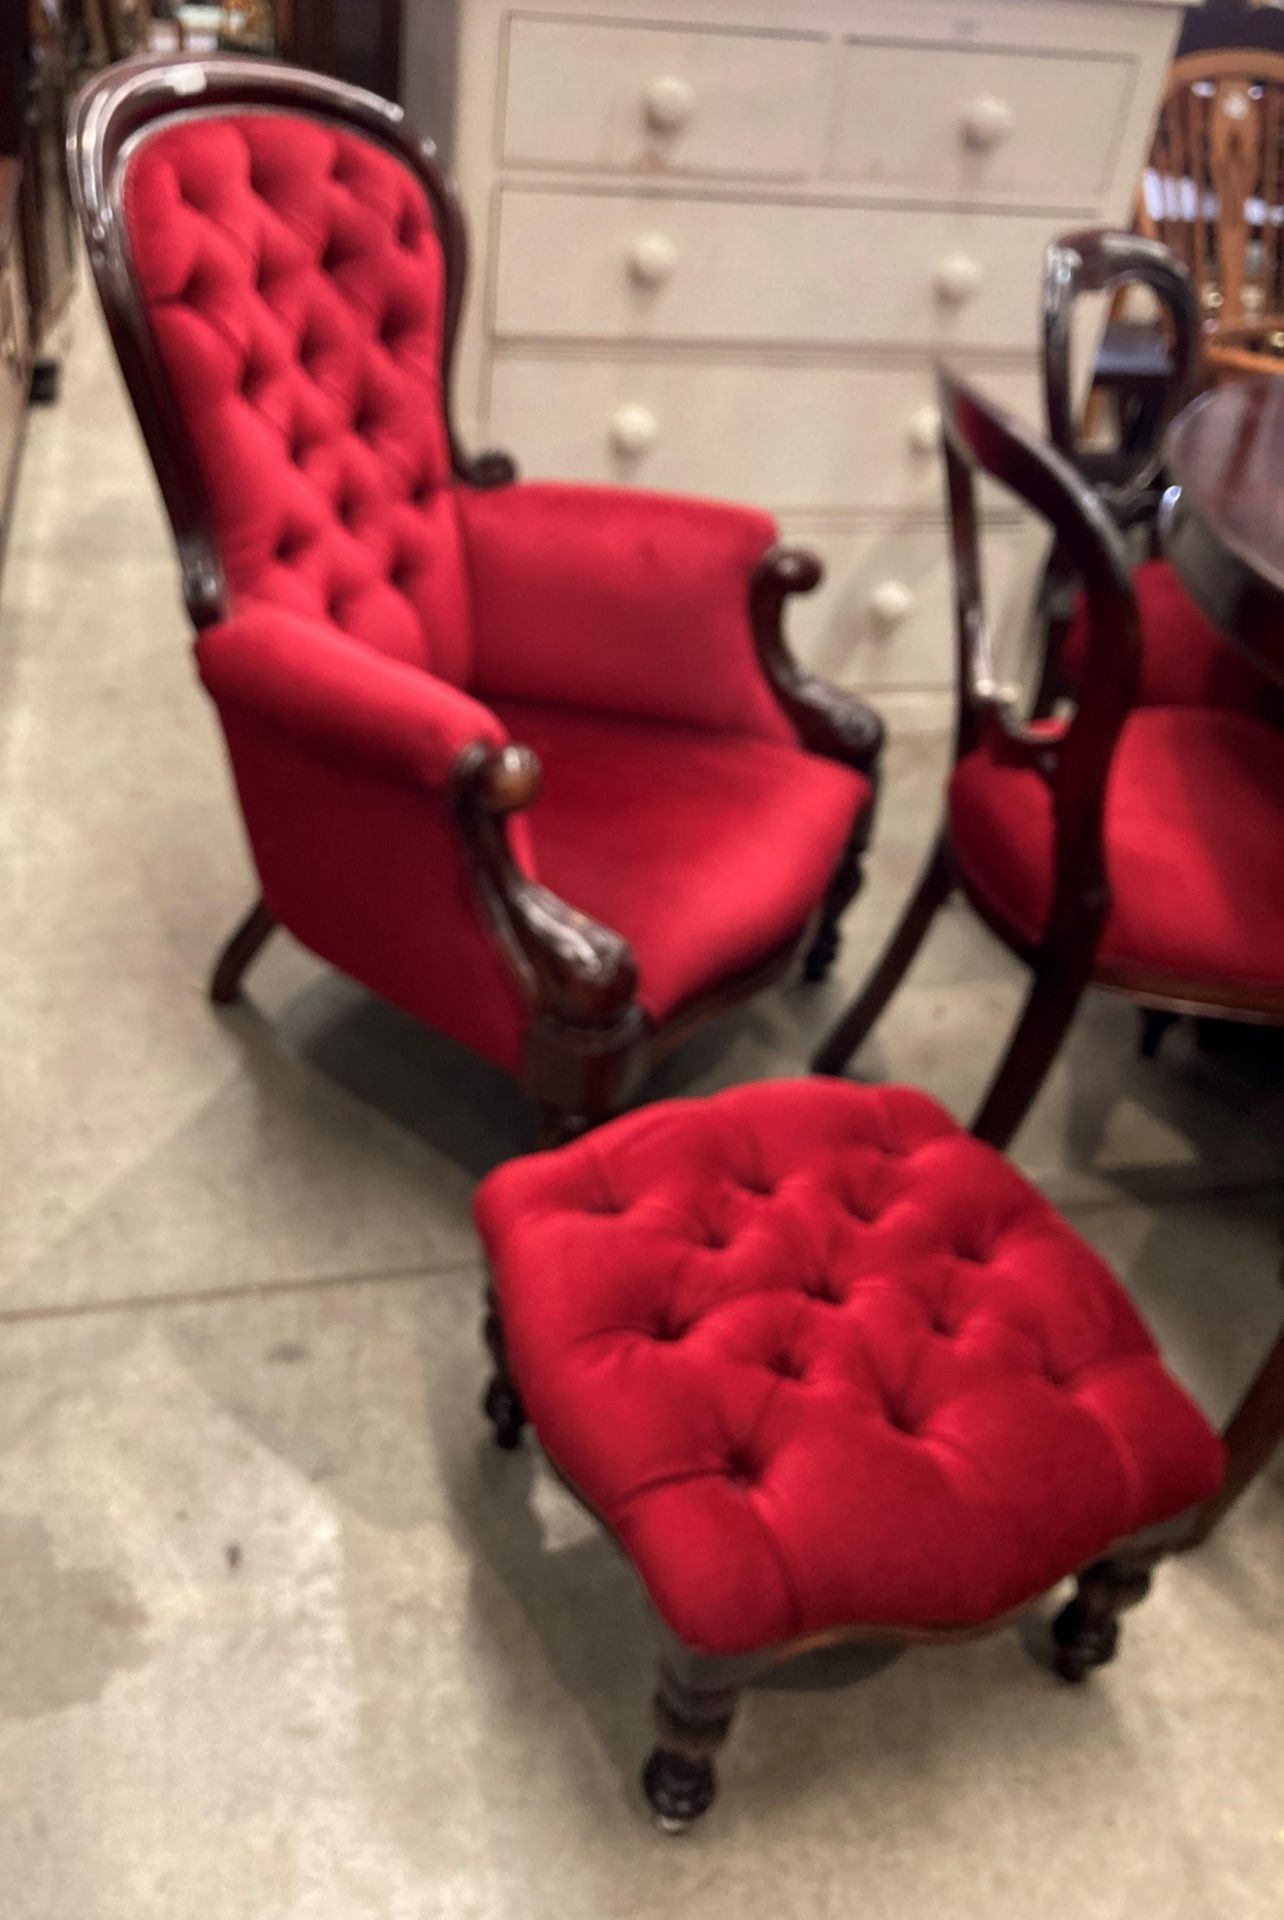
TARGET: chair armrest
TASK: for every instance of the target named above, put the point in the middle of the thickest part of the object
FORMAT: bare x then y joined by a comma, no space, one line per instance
341,698
569,965
292,686
827,719
626,602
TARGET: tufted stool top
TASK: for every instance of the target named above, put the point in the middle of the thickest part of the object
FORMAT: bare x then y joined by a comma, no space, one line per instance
818,1359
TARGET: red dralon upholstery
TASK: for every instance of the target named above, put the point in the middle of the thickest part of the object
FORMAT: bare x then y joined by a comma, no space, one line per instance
818,1358
383,618
628,603
1194,834
294,284
1185,661
731,841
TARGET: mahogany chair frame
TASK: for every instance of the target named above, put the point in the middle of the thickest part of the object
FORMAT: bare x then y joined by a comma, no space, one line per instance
697,1695
590,1043
1099,260
1072,756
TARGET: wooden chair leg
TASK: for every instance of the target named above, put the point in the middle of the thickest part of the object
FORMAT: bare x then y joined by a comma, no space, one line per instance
843,889
694,1708
1155,1022
1256,1429
1085,1634
501,1403
1039,1032
933,889
243,948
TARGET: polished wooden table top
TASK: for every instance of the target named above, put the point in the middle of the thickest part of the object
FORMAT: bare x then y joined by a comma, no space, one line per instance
1222,521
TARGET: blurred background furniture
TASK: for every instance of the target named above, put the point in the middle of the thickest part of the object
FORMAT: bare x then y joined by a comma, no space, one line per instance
714,236
1133,847
42,55
57,58
1213,192
382,620
830,1370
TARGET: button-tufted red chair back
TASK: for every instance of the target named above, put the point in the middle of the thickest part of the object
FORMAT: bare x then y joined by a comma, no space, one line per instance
294,285
381,620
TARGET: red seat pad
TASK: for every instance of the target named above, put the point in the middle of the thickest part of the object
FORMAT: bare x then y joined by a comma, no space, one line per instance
1185,661
818,1358
707,851
1194,833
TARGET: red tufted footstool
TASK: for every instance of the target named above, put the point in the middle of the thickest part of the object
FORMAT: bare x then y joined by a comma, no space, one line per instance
827,1367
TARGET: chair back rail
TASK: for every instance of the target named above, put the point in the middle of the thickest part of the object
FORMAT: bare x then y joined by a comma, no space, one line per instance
1097,260
1073,756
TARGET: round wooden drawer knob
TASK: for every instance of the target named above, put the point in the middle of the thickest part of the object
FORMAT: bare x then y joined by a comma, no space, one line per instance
958,278
925,429
634,429
669,103
891,604
987,122
652,258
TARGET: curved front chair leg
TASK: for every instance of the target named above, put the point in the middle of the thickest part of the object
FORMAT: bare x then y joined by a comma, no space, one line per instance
1049,1009
929,896
241,950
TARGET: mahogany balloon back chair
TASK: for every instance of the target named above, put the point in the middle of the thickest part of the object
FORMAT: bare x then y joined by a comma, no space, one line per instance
396,635
1138,849
1184,660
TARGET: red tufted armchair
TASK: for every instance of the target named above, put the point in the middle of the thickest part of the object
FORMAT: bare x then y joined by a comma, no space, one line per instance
532,762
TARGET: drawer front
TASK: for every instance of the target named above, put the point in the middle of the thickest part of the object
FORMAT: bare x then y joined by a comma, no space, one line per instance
665,100
788,438
1034,129
634,267
884,615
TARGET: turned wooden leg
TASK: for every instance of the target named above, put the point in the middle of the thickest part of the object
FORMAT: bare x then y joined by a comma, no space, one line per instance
1085,1634
556,1128
501,1403
46,381
243,947
931,892
843,889
693,1718
1155,1022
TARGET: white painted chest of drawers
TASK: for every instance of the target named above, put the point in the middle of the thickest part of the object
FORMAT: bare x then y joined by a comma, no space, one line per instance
720,245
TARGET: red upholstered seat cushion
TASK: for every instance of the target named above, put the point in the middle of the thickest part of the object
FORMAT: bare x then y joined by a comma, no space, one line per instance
707,851
1185,661
1194,828
818,1358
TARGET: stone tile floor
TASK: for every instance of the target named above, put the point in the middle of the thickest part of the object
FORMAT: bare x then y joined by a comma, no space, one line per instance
282,1637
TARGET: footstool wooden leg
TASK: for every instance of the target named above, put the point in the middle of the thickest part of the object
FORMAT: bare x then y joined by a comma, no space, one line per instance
694,1708
500,1403
1085,1633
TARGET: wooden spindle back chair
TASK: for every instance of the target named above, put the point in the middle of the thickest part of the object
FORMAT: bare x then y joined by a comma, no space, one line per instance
1213,192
